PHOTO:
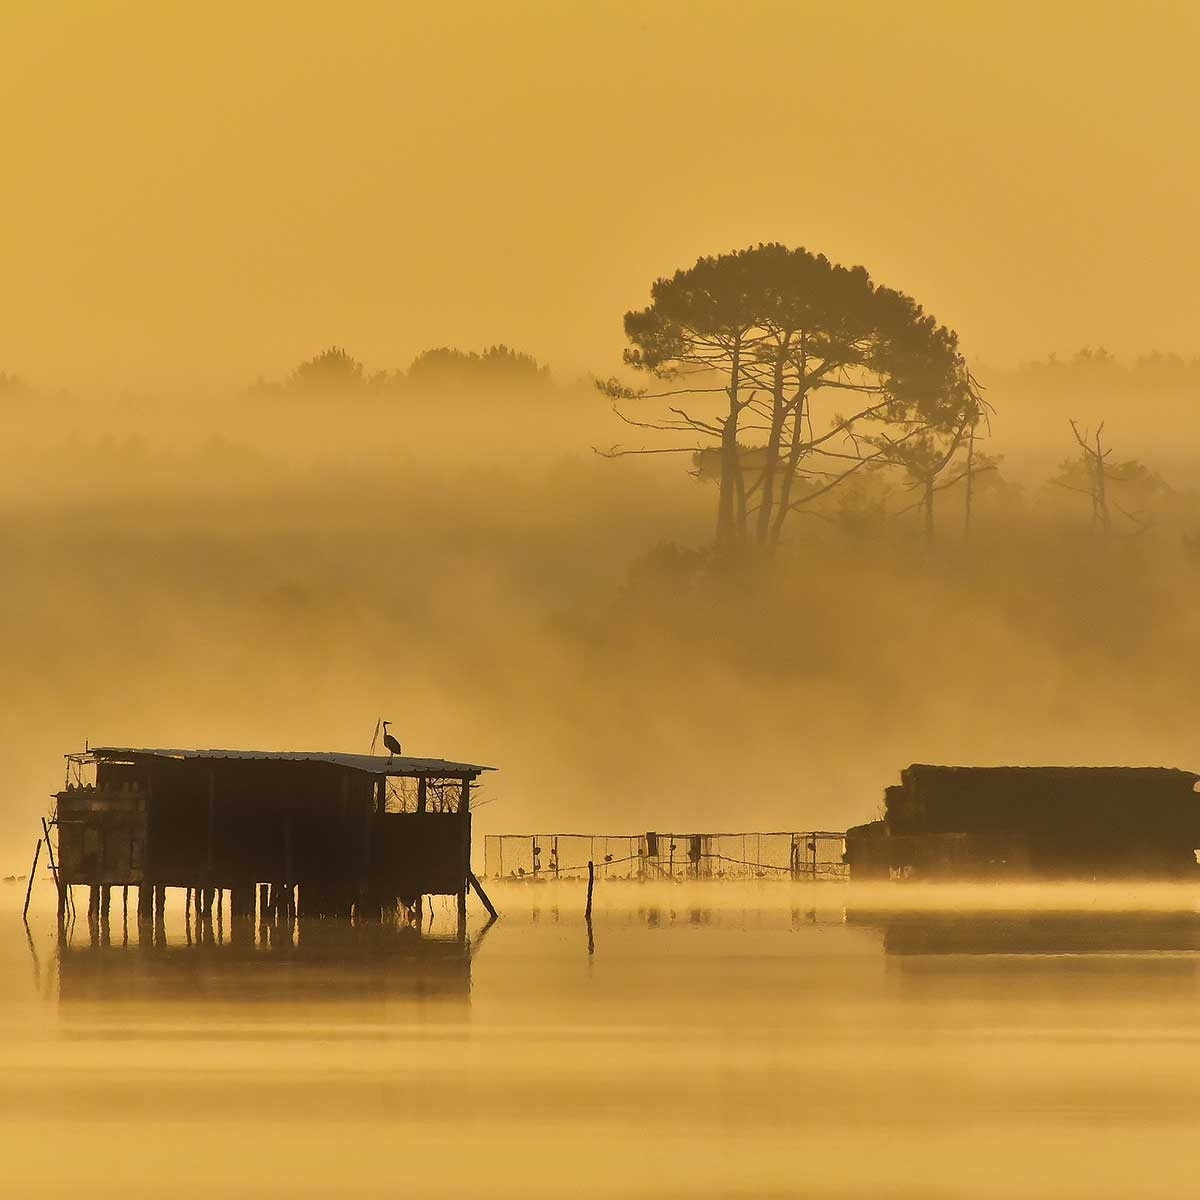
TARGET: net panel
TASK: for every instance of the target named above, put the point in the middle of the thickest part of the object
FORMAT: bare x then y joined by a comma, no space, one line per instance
648,856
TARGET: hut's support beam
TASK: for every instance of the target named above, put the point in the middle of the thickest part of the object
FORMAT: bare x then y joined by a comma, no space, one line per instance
241,901
37,853
483,896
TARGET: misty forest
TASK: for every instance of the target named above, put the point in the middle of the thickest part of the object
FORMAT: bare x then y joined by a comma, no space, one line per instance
796,532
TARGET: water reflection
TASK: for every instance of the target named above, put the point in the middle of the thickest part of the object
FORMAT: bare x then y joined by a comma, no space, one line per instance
290,962
1031,932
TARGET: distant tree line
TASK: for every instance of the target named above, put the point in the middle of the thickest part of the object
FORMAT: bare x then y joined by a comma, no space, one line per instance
1098,364
335,372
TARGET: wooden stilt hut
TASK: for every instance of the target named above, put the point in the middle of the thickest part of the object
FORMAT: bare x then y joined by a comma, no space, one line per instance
332,834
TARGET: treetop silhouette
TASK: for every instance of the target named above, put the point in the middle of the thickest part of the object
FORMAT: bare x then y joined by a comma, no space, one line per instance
761,344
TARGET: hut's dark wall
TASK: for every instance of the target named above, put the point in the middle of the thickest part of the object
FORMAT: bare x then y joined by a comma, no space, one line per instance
1043,800
423,850
1049,822
224,822
232,822
102,835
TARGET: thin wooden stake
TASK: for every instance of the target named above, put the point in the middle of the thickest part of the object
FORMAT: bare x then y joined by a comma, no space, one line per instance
587,912
37,852
483,896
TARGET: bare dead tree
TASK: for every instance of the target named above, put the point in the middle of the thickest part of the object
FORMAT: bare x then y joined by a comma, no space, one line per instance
1094,476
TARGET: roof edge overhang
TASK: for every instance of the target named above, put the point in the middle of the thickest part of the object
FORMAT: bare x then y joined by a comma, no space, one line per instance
369,764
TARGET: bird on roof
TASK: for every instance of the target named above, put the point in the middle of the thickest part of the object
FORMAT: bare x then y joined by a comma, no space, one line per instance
393,746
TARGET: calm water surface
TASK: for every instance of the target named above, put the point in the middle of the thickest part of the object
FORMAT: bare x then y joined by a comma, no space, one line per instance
720,1041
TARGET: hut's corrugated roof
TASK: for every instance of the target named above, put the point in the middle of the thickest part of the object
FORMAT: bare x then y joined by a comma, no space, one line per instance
371,764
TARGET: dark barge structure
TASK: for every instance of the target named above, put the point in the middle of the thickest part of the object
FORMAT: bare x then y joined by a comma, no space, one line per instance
320,834
1032,823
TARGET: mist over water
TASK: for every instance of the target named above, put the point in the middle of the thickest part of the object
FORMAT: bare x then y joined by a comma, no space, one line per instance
279,573
722,1040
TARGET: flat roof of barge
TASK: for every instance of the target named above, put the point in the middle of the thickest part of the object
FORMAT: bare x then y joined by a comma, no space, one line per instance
371,764
1052,772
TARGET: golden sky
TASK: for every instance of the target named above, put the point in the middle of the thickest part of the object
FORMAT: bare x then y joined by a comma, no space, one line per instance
197,193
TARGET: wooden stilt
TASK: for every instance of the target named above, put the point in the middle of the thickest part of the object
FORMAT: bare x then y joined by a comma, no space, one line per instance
50,850
264,905
37,853
483,896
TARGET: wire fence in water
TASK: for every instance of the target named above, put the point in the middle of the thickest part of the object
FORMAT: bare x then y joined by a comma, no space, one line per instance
789,854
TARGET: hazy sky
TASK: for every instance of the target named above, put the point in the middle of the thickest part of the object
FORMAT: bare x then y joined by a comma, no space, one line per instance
199,193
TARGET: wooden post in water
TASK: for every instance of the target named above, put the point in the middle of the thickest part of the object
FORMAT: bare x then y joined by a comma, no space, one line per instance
37,853
587,912
483,896
290,909
58,880
264,903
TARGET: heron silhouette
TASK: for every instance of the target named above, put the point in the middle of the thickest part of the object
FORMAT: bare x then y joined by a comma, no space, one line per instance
393,746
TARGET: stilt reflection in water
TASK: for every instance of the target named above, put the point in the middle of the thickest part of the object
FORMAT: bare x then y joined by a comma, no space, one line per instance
292,961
